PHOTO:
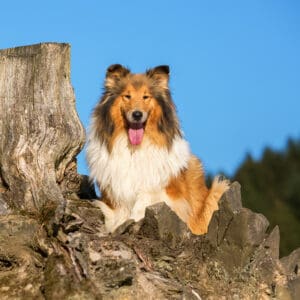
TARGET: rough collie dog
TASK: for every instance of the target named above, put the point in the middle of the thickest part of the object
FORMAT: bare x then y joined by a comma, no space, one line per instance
138,156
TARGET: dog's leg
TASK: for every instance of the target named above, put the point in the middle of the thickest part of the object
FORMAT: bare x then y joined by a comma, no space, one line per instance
189,197
144,200
114,217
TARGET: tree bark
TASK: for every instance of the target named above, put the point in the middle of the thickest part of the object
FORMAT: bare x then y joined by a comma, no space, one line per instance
40,132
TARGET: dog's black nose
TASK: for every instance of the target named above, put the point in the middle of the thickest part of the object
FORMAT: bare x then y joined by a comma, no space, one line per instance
137,115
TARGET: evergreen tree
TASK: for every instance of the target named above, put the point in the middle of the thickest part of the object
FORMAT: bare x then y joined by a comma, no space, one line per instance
271,186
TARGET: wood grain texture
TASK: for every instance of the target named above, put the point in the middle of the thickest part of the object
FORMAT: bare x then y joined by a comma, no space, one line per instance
40,132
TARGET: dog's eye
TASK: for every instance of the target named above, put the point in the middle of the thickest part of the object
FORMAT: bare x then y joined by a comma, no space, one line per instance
145,97
127,97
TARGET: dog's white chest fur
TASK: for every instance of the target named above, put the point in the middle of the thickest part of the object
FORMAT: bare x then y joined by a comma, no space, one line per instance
134,177
127,172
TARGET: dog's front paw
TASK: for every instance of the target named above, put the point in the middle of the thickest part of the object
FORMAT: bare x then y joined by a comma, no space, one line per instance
113,217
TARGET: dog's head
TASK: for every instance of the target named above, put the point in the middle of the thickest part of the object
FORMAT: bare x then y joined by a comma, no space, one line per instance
138,103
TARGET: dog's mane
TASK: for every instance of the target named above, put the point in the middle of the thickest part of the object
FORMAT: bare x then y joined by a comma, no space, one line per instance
168,123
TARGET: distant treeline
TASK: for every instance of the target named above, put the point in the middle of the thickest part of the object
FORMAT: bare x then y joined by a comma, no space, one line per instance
271,186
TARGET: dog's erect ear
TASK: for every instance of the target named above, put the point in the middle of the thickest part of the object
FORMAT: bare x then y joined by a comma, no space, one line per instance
160,75
114,74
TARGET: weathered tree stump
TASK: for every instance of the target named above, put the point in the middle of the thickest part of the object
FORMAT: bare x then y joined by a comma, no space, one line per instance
40,132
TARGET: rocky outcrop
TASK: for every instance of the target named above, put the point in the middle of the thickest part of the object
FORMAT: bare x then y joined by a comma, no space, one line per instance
156,258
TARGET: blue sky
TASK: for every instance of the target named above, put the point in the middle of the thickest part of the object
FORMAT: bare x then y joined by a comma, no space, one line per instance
235,65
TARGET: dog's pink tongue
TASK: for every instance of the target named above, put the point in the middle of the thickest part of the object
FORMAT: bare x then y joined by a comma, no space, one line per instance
135,135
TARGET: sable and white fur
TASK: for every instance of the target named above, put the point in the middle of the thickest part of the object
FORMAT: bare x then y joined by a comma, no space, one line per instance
154,166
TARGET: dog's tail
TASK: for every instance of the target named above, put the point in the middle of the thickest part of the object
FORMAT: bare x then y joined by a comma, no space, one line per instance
218,188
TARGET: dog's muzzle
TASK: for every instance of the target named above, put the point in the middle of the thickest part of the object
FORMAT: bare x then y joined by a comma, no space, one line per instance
136,116
136,124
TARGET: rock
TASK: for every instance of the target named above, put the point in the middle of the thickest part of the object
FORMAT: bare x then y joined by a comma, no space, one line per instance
234,224
230,204
231,200
123,228
83,215
291,263
283,293
271,243
60,282
157,257
115,265
162,223
246,229
294,286
265,260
